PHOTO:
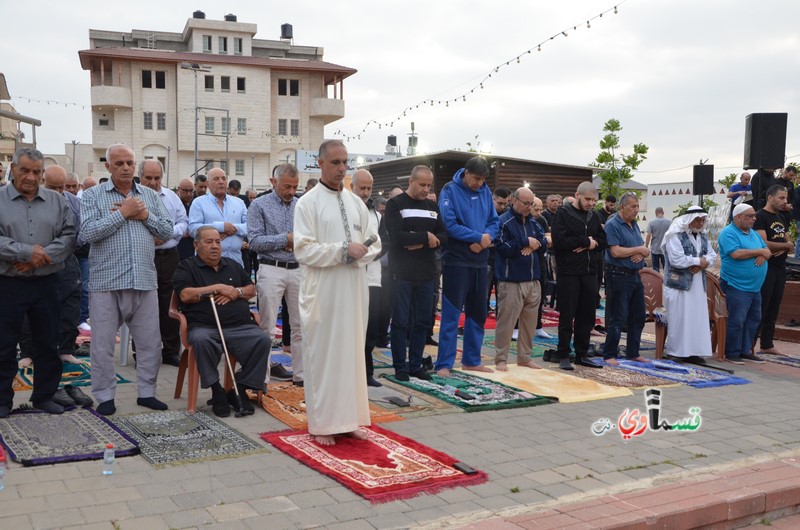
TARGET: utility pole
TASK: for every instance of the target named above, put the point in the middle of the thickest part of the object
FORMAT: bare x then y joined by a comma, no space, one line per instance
195,68
74,143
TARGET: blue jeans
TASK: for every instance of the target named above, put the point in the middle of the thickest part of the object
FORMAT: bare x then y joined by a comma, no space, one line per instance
412,303
658,261
84,264
463,288
624,305
744,316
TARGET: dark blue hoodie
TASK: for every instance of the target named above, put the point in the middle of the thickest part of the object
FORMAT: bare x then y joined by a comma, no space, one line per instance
467,215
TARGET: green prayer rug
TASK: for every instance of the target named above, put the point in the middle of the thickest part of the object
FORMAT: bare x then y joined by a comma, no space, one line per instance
71,374
473,393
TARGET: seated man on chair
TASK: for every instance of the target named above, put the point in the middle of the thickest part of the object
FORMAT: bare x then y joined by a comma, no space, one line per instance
206,275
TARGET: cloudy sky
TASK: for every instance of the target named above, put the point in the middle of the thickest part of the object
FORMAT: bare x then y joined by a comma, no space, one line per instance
681,75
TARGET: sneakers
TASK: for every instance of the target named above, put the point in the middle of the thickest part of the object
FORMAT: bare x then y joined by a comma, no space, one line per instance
753,358
734,360
422,374
542,334
279,373
85,329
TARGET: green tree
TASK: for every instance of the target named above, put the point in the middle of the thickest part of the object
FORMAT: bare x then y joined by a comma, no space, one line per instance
616,168
728,181
707,205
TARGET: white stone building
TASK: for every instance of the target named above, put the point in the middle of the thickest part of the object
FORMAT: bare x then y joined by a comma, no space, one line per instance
257,101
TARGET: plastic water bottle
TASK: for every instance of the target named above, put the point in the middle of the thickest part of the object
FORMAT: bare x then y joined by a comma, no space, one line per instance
449,390
2,468
108,459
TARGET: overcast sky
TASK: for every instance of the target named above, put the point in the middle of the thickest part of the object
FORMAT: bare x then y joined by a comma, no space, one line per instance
681,75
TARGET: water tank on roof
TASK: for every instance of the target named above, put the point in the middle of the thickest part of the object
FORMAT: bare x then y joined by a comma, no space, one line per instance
198,14
230,18
286,31
392,140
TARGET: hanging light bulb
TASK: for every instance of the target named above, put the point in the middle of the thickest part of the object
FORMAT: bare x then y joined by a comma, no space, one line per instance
517,60
464,98
588,25
564,33
615,10
446,103
481,86
539,48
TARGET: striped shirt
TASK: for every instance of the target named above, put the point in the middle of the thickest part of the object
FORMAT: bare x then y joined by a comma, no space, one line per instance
269,220
177,212
122,251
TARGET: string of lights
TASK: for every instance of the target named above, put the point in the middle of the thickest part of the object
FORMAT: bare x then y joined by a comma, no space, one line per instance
480,85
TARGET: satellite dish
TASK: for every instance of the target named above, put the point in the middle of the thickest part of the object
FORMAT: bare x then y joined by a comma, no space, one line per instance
389,147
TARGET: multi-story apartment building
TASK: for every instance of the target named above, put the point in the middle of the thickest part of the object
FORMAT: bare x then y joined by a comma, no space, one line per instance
253,102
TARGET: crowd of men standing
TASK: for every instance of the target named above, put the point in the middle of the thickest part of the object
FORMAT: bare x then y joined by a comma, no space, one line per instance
325,257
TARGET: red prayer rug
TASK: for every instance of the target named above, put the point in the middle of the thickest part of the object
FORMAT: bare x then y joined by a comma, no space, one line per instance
491,322
383,468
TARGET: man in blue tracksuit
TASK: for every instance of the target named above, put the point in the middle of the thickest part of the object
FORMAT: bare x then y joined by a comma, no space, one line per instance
472,224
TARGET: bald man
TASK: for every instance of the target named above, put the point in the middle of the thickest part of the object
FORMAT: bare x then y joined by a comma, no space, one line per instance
361,185
186,195
519,250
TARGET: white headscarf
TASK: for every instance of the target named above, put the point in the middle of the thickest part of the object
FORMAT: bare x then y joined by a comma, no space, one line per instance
681,224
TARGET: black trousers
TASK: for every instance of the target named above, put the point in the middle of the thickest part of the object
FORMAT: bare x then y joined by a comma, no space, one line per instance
771,297
166,263
373,327
385,306
36,298
577,299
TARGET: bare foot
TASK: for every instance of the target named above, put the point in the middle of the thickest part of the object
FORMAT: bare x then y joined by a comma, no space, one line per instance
443,372
612,362
324,439
501,367
641,359
67,358
358,434
478,368
529,364
25,362
772,351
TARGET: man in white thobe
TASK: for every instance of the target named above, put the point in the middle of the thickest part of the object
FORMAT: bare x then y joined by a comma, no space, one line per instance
331,227
688,253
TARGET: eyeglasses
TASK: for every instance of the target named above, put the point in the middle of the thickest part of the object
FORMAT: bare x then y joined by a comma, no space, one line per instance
187,190
526,204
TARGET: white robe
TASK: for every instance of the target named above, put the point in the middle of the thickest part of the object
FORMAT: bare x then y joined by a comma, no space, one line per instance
688,330
334,308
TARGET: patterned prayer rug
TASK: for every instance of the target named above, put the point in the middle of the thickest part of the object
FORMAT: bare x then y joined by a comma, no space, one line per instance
550,317
786,360
383,468
479,393
615,376
556,384
286,402
683,373
415,403
177,437
382,358
72,374
34,438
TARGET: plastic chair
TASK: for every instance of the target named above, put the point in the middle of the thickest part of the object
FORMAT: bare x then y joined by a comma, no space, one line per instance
717,313
189,360
653,284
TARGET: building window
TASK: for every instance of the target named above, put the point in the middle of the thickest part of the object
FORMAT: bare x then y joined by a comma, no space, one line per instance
240,85
237,46
226,125
148,121
209,83
223,165
161,121
163,161
282,127
282,87
209,124
288,87
294,87
223,45
161,79
241,126
295,127
206,43
147,79
225,83
239,167
103,122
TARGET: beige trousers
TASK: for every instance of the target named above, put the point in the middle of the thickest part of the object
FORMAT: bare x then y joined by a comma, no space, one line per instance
516,301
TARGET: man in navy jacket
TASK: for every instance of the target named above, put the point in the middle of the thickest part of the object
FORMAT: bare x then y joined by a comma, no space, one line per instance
519,249
472,224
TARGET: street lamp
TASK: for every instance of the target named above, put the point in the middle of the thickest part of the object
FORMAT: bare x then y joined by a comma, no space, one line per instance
194,67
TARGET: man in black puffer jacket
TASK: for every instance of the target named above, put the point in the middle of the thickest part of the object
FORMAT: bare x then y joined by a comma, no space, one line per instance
579,241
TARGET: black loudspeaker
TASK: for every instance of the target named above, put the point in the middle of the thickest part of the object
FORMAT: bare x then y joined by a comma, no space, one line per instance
392,140
765,140
703,180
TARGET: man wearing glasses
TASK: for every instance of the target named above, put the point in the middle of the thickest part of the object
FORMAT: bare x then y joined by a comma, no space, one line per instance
186,195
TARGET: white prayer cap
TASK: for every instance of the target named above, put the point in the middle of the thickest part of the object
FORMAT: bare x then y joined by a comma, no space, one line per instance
741,208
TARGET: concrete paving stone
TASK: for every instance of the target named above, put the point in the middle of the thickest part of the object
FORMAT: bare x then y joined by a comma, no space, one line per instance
527,497
341,494
310,499
272,505
68,500
231,512
556,490
391,521
349,511
310,517
121,479
93,526
613,478
498,503
17,506
422,502
599,466
187,501
391,507
272,521
168,489
143,507
56,519
462,509
238,494
761,440
508,469
106,512
640,473
351,525
573,471
546,477
110,495
428,514
587,484
17,522
52,487
17,475
238,524
487,489
187,518
275,473
48,473
698,449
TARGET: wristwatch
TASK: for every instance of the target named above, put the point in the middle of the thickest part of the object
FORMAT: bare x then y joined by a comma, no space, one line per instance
241,293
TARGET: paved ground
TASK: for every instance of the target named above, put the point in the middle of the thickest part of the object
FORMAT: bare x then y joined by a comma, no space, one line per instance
536,458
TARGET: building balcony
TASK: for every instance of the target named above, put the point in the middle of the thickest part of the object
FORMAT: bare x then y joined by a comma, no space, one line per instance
111,96
327,108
